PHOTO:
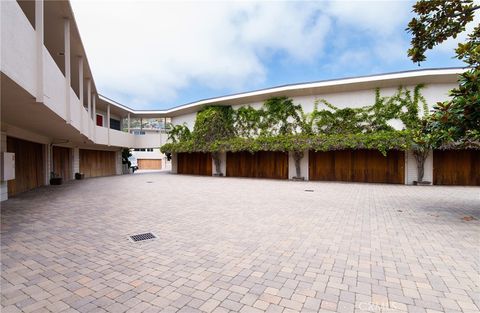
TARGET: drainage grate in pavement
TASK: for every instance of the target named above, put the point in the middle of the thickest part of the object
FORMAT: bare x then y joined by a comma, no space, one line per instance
142,237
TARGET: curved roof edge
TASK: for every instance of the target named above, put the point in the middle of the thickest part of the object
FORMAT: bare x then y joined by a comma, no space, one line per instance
448,75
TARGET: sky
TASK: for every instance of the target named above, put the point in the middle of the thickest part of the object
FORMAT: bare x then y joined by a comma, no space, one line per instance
159,54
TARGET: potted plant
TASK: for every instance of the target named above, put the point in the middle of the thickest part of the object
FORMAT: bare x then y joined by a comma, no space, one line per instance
55,179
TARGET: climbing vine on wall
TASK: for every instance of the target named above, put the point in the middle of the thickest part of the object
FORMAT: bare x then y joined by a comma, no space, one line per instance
282,125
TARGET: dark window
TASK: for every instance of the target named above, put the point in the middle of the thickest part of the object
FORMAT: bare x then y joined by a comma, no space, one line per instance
114,124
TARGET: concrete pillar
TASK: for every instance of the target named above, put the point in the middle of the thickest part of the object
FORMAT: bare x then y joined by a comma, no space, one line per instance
80,91
303,166
94,117
128,123
89,106
48,162
39,47
174,163
68,71
108,123
223,164
76,161
118,162
3,184
411,168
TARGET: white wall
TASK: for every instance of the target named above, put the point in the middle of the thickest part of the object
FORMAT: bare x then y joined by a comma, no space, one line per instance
188,119
18,44
411,168
101,135
54,85
155,154
354,99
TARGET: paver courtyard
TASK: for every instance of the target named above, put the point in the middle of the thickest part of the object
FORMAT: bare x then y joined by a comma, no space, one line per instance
240,245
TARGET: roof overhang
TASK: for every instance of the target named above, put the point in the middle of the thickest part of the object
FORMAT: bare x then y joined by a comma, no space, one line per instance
408,78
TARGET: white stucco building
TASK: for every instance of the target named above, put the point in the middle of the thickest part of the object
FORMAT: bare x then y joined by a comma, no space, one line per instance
56,123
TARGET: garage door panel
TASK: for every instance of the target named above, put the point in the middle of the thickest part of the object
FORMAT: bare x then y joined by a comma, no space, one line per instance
150,164
262,164
94,163
357,166
195,163
29,165
62,164
456,167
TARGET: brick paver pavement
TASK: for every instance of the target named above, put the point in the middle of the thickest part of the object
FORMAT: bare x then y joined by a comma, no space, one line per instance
240,245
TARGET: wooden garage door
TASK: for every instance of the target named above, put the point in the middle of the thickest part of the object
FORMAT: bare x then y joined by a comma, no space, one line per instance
357,166
150,164
262,164
95,163
29,165
62,162
456,167
194,163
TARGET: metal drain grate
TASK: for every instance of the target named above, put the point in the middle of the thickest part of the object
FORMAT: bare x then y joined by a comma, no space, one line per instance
142,237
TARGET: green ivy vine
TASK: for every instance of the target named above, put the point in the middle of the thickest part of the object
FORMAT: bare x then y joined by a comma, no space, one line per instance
282,125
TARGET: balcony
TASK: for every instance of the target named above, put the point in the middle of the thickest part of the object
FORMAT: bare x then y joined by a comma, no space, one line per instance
19,63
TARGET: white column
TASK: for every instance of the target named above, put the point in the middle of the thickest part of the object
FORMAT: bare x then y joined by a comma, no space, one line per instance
94,117
89,105
76,161
128,123
108,122
80,90
67,70
3,184
48,163
118,162
39,47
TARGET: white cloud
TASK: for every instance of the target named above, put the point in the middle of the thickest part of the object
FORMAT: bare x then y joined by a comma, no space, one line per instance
154,49
144,52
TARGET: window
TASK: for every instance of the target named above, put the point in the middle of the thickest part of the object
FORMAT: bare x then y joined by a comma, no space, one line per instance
144,149
99,120
114,124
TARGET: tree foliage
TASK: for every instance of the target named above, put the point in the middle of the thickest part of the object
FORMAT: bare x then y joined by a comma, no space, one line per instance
178,133
214,123
453,123
436,21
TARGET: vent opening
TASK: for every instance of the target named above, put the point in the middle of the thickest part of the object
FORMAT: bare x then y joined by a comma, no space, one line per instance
142,237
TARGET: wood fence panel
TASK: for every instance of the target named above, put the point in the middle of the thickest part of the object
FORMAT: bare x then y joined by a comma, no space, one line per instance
456,167
29,165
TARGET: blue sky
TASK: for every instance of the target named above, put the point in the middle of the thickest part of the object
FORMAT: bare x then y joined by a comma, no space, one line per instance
155,55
